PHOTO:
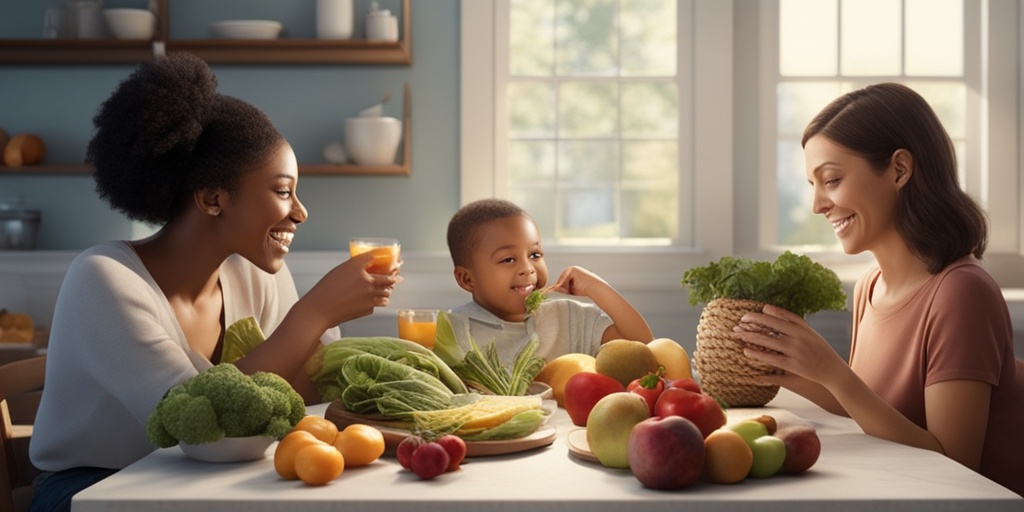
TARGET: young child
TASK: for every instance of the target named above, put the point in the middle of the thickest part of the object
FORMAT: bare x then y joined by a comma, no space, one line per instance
496,249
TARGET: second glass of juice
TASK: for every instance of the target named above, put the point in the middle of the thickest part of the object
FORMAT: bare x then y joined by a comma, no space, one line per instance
418,325
385,252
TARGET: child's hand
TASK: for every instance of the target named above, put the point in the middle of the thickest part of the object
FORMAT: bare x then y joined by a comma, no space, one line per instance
578,281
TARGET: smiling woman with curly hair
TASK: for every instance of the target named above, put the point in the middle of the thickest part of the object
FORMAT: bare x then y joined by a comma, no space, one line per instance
134,318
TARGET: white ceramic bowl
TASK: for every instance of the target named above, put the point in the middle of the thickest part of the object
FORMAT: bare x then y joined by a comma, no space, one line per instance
246,29
372,140
229,449
130,23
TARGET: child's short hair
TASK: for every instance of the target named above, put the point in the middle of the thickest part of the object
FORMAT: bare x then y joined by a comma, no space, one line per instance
463,229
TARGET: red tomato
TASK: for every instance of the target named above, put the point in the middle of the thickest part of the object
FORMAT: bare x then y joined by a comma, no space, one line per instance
650,387
456,449
583,390
405,449
701,409
429,459
688,384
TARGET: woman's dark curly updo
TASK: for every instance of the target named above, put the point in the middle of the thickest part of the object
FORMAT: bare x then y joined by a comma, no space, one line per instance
165,133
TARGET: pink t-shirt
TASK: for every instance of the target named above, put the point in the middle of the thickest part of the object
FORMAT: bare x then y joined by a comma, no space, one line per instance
955,327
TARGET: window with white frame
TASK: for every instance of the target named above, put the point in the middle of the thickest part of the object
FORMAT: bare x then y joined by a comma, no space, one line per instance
741,109
829,47
590,128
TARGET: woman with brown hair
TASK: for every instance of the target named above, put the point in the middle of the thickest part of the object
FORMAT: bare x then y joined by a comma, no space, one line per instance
931,361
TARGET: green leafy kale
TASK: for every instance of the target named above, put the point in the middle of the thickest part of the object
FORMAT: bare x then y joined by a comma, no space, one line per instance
792,282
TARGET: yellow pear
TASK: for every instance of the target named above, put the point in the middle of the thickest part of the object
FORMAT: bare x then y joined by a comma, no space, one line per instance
673,357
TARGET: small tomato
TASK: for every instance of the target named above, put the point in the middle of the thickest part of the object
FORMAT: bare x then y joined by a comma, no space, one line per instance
456,449
650,387
429,460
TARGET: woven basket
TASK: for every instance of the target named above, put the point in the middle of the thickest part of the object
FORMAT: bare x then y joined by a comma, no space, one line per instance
723,369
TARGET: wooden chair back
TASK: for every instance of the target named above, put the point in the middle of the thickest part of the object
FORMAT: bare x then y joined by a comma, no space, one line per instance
17,378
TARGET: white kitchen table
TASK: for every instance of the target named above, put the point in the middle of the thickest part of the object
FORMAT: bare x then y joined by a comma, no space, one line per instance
855,472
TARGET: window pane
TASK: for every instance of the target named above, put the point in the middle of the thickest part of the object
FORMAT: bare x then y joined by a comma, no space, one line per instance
799,102
935,37
650,179
650,214
650,164
531,162
586,38
648,35
531,109
650,109
587,162
871,32
540,203
797,224
588,109
588,213
531,37
808,33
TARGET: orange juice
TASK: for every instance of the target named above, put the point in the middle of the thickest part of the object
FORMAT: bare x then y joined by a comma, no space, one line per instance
385,252
418,325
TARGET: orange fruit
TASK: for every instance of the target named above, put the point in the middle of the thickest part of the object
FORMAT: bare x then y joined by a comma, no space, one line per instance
557,372
319,463
323,428
288,448
359,444
727,457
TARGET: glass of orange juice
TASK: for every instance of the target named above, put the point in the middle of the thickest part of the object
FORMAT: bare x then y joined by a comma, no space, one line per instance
385,252
418,325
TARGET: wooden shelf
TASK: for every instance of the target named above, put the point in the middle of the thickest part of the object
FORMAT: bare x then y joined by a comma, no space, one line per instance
323,169
86,51
219,51
222,51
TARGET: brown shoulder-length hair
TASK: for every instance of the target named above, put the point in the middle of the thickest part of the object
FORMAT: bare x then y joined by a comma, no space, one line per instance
939,221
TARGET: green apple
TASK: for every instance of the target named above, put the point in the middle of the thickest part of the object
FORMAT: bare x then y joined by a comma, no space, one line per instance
749,430
610,422
769,455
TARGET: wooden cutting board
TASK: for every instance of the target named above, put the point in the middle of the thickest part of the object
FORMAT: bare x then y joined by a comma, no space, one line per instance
395,431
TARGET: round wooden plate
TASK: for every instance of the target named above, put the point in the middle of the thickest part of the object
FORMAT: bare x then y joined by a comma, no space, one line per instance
578,446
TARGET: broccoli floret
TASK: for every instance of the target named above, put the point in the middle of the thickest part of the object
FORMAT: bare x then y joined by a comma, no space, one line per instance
224,402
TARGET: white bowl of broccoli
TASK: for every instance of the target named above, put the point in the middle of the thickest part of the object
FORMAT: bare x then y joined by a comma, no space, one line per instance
222,414
230,449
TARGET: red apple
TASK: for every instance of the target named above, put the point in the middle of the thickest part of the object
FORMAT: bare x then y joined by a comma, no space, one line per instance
802,448
666,453
701,409
583,390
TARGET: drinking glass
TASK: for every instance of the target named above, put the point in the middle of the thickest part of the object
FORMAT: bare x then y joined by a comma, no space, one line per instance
418,325
385,252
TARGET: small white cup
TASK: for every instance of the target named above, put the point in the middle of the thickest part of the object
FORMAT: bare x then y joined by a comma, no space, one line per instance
334,19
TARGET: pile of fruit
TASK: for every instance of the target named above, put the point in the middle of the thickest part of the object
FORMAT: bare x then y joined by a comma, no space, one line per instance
316,452
643,410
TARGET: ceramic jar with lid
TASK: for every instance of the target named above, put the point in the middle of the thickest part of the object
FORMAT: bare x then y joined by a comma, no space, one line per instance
381,25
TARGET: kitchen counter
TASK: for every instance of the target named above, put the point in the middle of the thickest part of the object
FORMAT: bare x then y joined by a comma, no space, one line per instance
855,472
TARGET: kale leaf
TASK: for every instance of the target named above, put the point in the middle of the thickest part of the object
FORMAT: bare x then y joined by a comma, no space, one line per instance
793,282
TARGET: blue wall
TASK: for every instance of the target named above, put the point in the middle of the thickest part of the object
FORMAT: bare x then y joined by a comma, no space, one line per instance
307,103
